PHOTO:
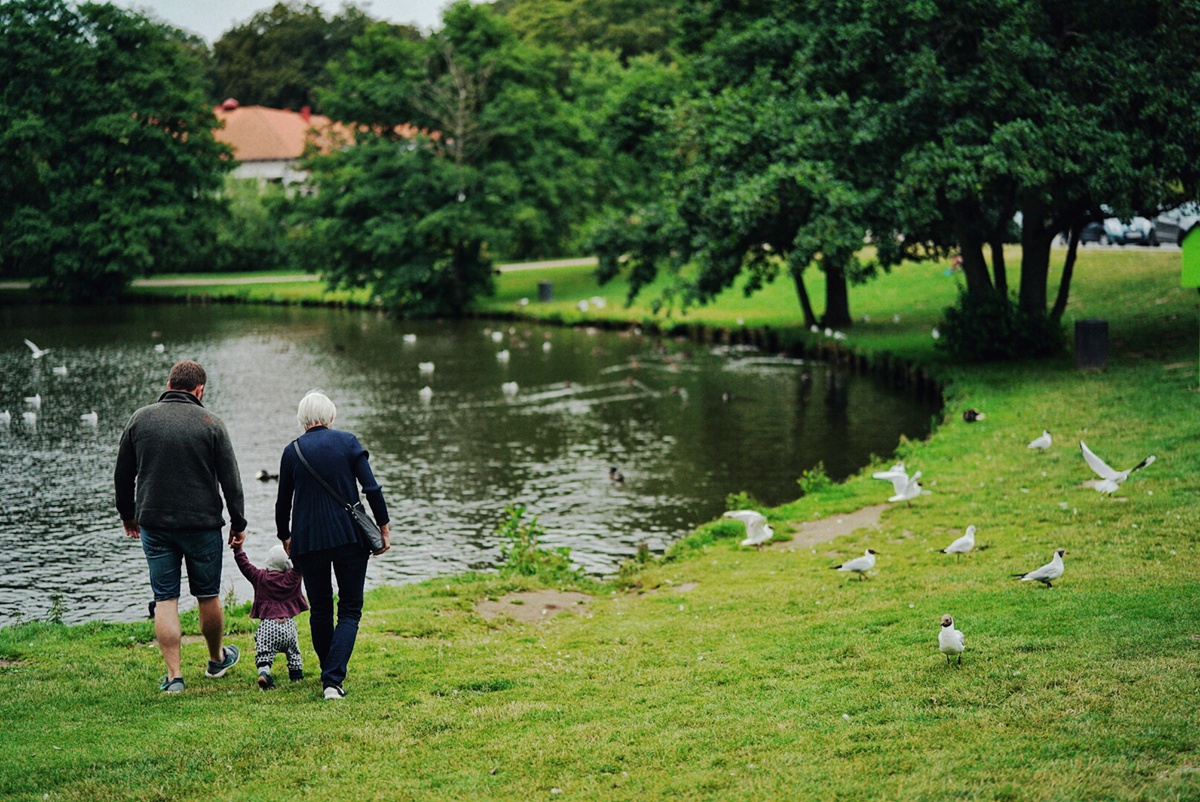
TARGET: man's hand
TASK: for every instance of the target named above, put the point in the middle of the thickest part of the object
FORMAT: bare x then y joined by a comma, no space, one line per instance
236,539
132,529
385,530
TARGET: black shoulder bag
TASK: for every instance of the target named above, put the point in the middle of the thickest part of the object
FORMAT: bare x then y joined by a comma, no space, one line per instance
368,530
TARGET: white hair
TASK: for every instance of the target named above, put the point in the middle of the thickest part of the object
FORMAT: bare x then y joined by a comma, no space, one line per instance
315,410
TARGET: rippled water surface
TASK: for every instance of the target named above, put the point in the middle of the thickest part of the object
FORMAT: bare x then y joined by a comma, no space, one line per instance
685,424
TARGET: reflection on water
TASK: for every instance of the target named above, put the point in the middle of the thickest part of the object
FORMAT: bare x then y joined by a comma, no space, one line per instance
515,413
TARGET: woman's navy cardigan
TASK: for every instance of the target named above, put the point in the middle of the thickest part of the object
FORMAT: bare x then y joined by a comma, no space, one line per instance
305,511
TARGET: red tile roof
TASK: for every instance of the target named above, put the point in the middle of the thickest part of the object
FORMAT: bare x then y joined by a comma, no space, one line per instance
257,133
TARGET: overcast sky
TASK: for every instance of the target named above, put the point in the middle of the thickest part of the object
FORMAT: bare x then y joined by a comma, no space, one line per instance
212,18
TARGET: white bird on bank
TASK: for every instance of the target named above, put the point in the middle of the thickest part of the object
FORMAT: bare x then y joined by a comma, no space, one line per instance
425,367
90,418
859,565
60,370
896,475
1110,480
963,544
34,401
758,531
38,353
1042,442
951,642
1048,572
509,388
912,489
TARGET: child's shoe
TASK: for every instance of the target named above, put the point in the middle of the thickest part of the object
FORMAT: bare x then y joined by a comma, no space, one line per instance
295,674
265,682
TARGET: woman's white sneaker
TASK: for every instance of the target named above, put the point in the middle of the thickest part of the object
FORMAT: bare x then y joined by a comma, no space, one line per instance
334,692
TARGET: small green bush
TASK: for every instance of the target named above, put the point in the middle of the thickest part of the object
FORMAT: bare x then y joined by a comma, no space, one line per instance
814,480
993,328
522,551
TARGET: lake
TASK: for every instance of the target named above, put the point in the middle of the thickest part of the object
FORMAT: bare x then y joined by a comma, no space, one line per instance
516,413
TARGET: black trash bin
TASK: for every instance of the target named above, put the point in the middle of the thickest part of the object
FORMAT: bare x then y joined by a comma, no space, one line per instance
1091,344
545,291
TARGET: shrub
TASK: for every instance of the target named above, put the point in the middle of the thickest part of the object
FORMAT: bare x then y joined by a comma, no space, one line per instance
989,328
814,480
522,552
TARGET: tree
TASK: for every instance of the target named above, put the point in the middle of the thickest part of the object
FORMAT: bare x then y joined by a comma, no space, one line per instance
279,57
629,28
496,167
108,166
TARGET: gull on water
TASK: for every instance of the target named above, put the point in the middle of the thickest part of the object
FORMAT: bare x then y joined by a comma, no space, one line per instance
90,417
963,544
5,417
425,367
160,348
1042,442
497,336
859,565
29,418
502,356
758,531
425,393
1110,480
34,401
1048,572
38,353
60,370
951,642
409,338
546,346
509,388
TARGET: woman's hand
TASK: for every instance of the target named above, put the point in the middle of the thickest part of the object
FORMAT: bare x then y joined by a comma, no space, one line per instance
287,546
386,531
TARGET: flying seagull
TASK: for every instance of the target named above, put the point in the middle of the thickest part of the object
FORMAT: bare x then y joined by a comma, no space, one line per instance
758,531
859,565
951,642
38,353
1110,480
1042,442
911,490
963,544
1048,572
896,475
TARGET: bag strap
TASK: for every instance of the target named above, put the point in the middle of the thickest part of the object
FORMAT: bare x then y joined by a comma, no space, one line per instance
324,484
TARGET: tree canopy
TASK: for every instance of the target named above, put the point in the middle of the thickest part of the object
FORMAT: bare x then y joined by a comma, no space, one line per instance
496,166
109,167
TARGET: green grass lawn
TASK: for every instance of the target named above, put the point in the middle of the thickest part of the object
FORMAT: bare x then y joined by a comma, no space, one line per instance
723,673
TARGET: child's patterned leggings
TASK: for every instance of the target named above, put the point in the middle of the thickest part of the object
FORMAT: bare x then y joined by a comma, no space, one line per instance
274,637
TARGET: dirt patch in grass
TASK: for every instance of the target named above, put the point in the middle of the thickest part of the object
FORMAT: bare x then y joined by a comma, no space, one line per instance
535,605
10,664
813,532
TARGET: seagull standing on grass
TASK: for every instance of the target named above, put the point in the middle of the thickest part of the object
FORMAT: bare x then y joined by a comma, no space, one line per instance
38,353
1048,572
1042,442
951,642
859,565
758,531
963,544
1110,480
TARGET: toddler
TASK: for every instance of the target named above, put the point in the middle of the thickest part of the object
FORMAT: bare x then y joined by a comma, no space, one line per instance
277,600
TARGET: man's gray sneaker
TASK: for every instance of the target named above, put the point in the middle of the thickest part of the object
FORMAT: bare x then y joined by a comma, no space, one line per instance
169,685
216,669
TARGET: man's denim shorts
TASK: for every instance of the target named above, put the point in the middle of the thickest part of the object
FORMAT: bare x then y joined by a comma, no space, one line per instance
203,551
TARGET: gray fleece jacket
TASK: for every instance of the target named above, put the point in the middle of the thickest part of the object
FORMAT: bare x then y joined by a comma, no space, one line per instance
174,461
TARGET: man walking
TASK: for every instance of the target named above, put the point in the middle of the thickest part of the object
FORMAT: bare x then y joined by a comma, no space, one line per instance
174,462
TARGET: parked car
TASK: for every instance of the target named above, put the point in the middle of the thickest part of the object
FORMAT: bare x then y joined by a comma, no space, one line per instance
1173,225
1111,231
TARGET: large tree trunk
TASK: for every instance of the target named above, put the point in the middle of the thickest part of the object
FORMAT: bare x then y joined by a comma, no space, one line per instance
974,267
1064,286
837,297
810,318
999,270
1035,265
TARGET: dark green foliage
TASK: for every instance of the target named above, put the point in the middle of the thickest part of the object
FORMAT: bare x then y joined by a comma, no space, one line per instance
109,169
499,170
523,553
991,327
629,28
280,57
254,236
814,480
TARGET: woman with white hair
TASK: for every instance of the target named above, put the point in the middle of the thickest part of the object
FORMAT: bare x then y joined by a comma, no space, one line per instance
320,535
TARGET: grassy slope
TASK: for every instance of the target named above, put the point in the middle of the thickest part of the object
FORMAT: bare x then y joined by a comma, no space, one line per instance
773,677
